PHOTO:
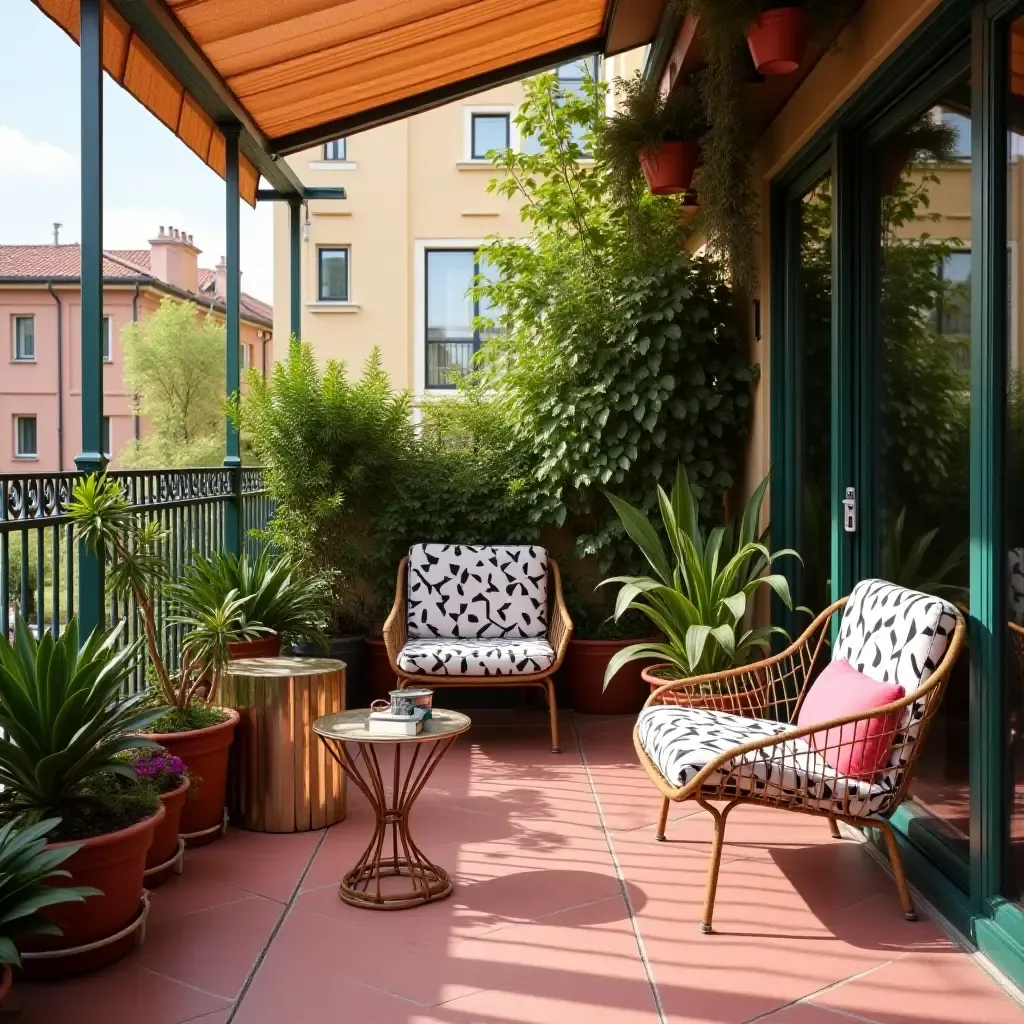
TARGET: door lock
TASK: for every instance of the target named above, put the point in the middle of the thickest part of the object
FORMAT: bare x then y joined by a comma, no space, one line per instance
850,510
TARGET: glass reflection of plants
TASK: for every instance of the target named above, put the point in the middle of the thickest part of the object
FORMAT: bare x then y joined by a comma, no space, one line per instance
925,401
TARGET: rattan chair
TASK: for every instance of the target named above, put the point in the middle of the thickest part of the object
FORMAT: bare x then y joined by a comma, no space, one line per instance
730,736
440,659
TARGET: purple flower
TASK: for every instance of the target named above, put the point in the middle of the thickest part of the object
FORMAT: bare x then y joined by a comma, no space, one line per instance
150,764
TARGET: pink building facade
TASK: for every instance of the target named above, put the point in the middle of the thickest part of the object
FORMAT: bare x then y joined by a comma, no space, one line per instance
40,340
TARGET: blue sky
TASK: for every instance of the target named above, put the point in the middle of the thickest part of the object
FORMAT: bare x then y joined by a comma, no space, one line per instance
150,177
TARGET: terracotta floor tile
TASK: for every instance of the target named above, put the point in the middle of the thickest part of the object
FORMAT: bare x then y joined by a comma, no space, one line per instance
122,992
213,949
926,988
808,1013
190,892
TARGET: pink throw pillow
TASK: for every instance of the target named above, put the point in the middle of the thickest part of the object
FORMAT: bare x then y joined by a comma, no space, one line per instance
860,748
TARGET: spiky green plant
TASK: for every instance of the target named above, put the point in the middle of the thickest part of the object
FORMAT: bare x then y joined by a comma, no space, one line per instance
64,717
701,590
913,569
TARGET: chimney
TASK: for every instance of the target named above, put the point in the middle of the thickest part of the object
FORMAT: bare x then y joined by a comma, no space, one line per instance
174,260
220,280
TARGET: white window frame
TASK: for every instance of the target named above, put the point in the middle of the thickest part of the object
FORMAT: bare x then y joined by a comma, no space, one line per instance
108,339
15,358
467,131
18,454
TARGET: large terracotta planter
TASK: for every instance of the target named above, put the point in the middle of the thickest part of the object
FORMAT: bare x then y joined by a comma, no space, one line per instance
165,836
115,864
777,40
669,167
584,667
205,751
753,699
268,646
382,679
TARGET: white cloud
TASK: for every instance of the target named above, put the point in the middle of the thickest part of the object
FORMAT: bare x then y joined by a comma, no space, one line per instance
21,158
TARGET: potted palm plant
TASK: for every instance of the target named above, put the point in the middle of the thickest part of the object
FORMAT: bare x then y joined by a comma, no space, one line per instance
192,726
700,594
29,882
280,599
652,134
65,720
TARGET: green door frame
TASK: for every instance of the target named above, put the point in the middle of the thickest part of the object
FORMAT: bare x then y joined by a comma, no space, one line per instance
957,36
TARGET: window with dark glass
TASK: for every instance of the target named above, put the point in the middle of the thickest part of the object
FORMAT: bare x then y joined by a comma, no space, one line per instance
25,338
336,149
333,275
490,132
451,340
26,443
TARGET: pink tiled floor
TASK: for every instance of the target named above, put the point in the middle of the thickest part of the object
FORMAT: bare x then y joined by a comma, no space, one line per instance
565,910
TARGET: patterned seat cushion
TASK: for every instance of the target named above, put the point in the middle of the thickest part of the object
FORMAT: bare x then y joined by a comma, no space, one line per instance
489,657
467,591
680,741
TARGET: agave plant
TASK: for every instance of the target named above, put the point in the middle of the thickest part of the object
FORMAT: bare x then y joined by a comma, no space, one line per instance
915,571
701,590
27,869
64,717
275,594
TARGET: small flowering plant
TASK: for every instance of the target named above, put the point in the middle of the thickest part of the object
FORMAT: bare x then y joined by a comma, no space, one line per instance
165,772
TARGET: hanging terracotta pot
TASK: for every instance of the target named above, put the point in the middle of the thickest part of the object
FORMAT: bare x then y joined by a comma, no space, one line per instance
689,207
669,167
777,39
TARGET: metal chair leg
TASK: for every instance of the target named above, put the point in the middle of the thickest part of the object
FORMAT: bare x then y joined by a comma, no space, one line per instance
662,820
553,714
833,827
714,863
896,860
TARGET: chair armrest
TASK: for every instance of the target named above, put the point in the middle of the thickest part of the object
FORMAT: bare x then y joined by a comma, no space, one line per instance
771,688
395,626
560,626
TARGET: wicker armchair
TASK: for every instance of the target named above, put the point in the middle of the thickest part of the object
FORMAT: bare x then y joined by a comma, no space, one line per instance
472,615
730,736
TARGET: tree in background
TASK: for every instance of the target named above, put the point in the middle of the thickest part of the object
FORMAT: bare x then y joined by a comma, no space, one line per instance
174,363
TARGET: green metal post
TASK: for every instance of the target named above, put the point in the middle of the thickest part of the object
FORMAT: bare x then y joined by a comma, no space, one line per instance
295,253
232,460
90,459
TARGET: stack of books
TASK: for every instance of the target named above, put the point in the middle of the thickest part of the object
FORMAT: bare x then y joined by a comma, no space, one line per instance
387,723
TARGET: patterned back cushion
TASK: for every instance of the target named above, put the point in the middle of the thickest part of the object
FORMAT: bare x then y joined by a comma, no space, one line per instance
894,635
476,591
1015,574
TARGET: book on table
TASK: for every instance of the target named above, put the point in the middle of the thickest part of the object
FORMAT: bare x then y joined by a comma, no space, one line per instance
386,723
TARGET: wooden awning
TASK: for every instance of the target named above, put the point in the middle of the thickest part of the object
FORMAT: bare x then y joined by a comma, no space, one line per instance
295,73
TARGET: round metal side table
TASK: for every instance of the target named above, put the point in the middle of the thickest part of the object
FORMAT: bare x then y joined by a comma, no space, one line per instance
353,746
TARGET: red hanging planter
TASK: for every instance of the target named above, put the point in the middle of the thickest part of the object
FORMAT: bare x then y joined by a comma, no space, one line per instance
689,208
669,167
777,39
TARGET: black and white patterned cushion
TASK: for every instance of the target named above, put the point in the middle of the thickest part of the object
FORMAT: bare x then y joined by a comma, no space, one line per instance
467,591
489,657
681,741
1015,580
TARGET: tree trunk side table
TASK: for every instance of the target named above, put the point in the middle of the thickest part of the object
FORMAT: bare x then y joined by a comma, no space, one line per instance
281,778
350,742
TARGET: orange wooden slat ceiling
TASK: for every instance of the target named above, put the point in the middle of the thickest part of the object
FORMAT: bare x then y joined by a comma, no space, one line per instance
135,67
296,64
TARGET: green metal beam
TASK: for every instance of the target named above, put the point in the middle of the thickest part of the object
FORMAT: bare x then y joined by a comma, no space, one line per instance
269,195
90,459
232,460
295,264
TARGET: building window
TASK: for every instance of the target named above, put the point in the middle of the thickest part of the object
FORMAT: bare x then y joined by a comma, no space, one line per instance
108,351
333,275
244,358
570,82
26,443
451,340
489,132
25,338
105,435
961,125
336,150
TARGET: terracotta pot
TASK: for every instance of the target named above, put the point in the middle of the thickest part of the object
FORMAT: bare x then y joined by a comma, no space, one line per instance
689,208
382,679
777,40
747,700
6,980
669,167
165,837
114,864
584,666
268,646
205,751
